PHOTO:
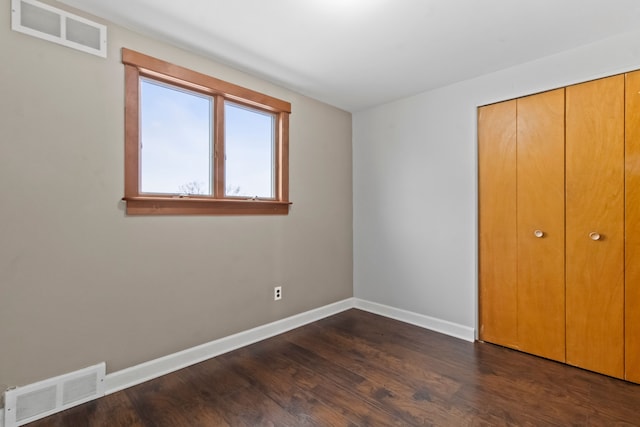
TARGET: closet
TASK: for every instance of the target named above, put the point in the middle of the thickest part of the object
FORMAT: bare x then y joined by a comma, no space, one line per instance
632,227
521,154
595,225
559,198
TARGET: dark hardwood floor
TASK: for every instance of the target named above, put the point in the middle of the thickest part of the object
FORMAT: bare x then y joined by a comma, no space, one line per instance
359,369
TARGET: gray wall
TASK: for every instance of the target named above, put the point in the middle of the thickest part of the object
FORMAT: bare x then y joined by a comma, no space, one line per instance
81,283
415,181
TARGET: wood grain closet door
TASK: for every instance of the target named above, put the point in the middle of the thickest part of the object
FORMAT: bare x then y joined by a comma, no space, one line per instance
595,225
540,212
632,228
497,223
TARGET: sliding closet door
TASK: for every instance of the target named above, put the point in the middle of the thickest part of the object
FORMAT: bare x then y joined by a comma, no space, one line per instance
540,212
632,228
497,223
595,225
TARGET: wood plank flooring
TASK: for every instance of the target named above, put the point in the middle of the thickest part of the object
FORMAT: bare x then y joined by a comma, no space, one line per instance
359,369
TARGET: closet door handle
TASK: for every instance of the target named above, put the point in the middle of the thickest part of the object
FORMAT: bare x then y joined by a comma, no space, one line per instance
594,235
538,233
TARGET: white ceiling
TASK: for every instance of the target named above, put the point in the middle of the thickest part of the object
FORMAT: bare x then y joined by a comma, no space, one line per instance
355,54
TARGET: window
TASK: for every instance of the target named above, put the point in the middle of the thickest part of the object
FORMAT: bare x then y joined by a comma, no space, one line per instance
198,145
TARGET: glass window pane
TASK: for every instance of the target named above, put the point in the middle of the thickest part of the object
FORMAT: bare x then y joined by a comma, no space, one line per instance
176,143
249,152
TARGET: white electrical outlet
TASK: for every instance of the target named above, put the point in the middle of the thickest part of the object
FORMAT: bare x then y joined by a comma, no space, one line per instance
277,293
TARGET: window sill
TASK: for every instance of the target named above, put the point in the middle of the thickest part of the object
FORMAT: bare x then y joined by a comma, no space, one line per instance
141,205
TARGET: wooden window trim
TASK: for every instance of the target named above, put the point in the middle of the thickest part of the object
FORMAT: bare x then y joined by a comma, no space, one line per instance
139,65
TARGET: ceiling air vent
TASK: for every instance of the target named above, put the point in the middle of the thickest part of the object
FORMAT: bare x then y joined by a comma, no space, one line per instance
58,26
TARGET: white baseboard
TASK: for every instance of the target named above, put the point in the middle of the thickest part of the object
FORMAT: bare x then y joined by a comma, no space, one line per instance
438,325
134,375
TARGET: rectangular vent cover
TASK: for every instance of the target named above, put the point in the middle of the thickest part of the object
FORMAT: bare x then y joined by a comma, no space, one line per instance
58,26
38,400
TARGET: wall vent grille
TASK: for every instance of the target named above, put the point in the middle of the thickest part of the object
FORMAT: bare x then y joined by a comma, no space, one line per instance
55,25
38,400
